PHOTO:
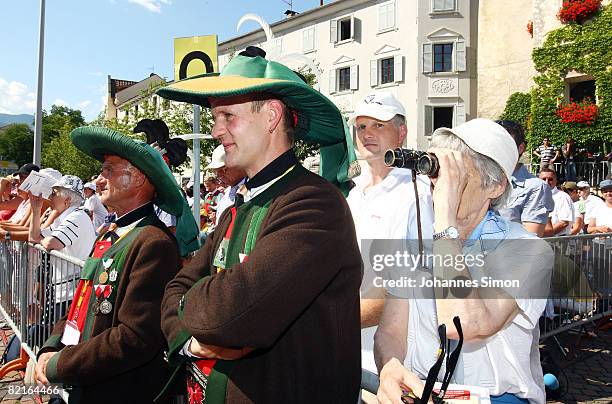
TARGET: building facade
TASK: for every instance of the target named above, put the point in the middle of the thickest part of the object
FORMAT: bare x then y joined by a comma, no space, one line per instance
419,50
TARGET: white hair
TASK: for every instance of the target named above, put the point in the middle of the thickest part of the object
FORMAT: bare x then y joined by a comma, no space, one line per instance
492,174
76,199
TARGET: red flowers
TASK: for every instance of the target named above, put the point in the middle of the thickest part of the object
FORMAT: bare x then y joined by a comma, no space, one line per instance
583,112
578,10
530,28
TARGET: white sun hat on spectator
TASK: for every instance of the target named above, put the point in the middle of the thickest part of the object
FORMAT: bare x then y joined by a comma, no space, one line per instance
583,184
381,105
52,173
489,139
90,185
217,159
70,182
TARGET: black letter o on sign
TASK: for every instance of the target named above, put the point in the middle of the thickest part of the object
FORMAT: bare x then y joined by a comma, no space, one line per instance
195,55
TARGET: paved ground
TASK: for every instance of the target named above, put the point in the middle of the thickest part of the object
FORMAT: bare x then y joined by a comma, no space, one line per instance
588,367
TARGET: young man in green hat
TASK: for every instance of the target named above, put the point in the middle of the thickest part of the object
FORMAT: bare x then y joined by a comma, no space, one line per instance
268,310
110,345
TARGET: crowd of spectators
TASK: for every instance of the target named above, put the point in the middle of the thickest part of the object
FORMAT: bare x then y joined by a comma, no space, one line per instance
483,200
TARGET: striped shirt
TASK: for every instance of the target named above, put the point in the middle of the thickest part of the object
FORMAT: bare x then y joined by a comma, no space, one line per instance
74,229
547,153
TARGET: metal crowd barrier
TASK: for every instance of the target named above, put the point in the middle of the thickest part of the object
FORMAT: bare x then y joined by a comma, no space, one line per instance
590,171
581,287
36,288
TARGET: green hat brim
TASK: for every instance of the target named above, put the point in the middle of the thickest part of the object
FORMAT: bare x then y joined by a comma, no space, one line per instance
97,142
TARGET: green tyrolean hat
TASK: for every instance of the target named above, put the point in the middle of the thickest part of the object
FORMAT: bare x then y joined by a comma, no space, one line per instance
97,141
318,120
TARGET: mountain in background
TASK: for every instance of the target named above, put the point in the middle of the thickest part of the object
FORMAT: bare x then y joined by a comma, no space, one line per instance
7,119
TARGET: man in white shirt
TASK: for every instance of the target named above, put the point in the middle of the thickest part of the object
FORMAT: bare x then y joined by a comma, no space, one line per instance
591,202
383,201
97,211
562,216
230,177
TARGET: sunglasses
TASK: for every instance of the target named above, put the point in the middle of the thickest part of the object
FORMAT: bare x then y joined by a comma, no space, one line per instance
451,363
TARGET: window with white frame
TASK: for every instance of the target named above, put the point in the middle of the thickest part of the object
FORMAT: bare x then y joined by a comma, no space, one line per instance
444,57
443,116
386,16
386,70
443,6
344,79
342,29
308,39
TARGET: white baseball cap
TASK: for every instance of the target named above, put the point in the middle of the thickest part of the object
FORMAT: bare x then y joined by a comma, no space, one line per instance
90,185
218,158
381,105
489,139
583,184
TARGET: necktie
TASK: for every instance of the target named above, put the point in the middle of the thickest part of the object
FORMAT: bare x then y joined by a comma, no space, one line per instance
110,233
240,194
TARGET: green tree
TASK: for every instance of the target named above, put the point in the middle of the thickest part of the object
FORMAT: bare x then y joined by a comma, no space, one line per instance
16,143
59,120
57,150
62,155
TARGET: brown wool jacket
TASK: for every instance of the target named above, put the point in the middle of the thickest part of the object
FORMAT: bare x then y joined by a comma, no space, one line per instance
295,300
123,360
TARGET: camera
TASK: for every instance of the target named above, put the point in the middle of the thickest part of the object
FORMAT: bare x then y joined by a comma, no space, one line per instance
422,162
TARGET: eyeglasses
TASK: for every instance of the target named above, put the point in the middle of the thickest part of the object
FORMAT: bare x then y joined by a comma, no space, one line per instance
451,363
108,170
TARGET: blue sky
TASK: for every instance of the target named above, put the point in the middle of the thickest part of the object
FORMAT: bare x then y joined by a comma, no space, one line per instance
86,40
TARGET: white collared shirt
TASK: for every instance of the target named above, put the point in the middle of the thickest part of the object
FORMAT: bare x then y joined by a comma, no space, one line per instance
564,210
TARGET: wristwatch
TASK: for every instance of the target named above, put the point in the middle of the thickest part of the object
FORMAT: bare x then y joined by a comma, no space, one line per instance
450,233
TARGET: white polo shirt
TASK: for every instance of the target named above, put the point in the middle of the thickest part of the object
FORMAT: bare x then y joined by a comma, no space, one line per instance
387,210
74,229
564,210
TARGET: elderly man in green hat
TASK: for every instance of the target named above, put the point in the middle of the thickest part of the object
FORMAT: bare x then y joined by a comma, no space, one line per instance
110,345
268,310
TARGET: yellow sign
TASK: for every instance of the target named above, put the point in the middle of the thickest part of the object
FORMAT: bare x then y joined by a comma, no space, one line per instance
195,55
8,165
